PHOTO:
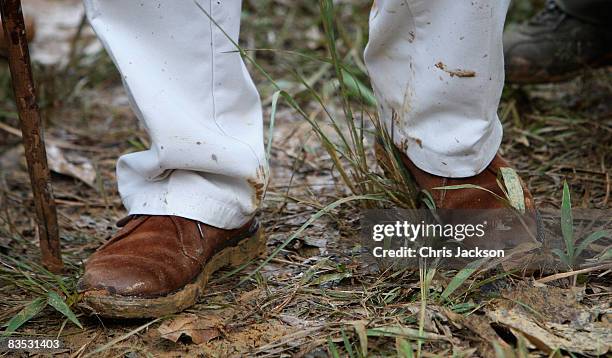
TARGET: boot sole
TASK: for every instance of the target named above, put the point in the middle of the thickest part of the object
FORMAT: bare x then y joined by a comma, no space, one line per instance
104,304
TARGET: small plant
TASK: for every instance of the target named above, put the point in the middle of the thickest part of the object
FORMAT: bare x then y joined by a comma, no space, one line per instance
44,284
36,306
573,247
426,276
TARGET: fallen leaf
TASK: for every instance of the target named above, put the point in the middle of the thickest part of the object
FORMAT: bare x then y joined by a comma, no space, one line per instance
360,329
72,165
199,329
548,336
474,323
77,167
480,326
560,306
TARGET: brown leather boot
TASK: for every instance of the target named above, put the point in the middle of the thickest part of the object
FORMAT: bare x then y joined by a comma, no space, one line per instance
463,198
467,198
158,265
30,33
476,205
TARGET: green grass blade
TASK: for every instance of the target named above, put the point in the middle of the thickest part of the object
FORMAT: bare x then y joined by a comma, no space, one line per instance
562,256
468,186
333,351
347,344
461,276
606,255
58,303
358,89
591,239
327,15
567,222
429,201
275,98
26,314
404,348
499,351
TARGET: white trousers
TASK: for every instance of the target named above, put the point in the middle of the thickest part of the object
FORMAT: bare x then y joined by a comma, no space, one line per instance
436,67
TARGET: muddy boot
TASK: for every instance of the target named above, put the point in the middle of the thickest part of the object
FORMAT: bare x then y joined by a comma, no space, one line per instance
30,32
523,233
158,265
554,46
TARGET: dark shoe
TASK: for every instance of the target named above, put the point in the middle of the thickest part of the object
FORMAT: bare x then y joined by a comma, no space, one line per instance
158,265
554,46
30,33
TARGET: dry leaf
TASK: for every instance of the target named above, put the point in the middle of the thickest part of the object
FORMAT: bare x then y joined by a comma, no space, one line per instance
548,336
199,329
72,165
77,167
360,329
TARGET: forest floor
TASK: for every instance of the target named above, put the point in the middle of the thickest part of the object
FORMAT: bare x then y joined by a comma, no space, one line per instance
320,295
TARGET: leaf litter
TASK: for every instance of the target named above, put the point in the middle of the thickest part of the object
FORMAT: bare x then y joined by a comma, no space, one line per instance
321,289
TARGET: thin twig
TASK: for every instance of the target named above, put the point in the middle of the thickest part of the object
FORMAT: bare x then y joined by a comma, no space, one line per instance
573,273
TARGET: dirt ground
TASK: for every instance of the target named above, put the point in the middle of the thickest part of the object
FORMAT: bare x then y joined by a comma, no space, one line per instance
319,296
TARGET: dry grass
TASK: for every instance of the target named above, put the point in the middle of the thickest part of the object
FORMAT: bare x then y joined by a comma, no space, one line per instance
318,295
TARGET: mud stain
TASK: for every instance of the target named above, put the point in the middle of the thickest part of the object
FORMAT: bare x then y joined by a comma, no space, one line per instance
258,185
455,72
419,142
258,189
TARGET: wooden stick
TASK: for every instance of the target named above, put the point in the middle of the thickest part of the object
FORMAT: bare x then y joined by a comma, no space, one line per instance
33,142
573,273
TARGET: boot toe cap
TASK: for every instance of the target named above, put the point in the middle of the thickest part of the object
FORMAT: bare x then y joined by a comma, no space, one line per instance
116,275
